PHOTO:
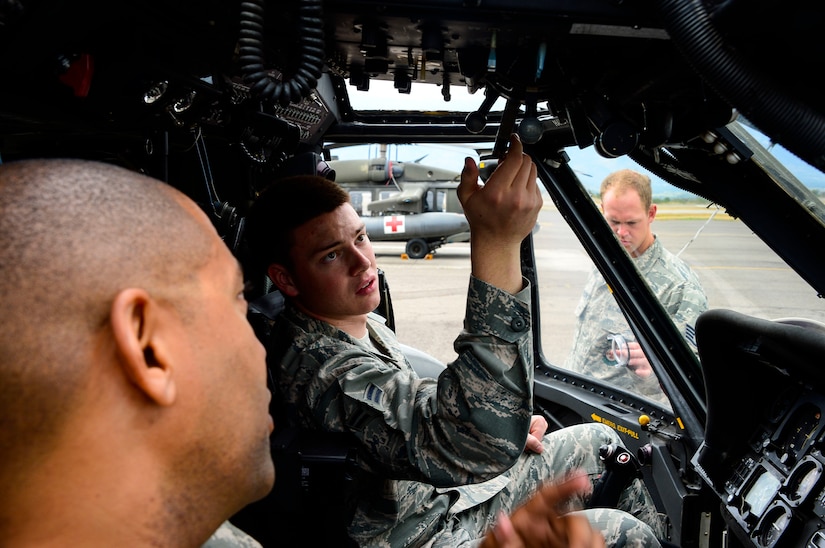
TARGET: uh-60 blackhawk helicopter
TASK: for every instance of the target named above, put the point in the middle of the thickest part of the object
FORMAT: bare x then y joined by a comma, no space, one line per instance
404,201
220,97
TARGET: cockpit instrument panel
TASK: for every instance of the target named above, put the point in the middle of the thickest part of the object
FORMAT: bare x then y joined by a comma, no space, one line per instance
766,460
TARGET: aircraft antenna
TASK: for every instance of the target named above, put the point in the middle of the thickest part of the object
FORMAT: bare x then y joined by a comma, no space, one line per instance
701,228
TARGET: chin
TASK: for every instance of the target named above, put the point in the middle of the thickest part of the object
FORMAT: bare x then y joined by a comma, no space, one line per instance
376,301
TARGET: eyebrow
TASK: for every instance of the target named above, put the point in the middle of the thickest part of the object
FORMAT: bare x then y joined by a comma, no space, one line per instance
323,249
615,220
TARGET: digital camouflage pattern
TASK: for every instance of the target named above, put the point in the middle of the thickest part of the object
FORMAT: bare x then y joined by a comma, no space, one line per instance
430,435
599,317
229,536
572,448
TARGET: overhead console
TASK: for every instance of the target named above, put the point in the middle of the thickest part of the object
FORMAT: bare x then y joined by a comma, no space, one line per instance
765,433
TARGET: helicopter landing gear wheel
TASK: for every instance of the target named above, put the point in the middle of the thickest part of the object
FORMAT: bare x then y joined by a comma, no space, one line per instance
417,249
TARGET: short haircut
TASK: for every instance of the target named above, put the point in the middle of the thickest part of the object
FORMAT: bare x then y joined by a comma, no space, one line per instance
73,234
281,208
624,179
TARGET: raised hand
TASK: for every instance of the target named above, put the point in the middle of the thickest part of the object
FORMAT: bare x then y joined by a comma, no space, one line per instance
501,213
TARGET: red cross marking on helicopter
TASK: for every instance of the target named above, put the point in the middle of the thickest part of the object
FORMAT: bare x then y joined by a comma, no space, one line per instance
393,224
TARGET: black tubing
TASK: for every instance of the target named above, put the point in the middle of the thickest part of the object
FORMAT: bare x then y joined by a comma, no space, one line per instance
310,51
799,128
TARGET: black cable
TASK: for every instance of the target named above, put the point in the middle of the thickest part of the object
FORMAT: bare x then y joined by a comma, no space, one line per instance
310,52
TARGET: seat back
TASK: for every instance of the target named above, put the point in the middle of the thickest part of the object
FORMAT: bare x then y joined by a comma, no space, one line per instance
314,496
313,499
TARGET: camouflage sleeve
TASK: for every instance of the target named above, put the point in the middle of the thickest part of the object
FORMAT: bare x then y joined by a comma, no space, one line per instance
686,310
468,425
497,328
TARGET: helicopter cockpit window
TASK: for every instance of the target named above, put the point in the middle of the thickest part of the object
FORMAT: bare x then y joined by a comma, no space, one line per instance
358,201
736,270
436,200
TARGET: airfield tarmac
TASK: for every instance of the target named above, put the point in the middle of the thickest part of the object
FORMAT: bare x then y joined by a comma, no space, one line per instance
737,270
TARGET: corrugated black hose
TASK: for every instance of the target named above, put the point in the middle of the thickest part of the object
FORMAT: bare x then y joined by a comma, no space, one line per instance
310,52
800,128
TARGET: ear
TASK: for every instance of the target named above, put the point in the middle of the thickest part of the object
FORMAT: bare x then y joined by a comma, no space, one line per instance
282,279
137,323
652,213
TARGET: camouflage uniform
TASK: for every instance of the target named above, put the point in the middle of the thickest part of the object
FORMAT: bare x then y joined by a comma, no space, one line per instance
229,536
429,435
599,317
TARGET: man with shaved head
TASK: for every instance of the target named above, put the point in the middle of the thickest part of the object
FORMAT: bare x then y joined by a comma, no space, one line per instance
133,397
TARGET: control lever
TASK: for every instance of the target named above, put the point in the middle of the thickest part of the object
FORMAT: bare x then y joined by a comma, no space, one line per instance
476,121
621,466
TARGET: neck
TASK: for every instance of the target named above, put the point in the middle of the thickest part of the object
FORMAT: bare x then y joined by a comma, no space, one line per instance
96,489
644,247
84,512
354,326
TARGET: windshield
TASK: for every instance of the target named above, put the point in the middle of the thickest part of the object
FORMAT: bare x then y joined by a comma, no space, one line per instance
735,268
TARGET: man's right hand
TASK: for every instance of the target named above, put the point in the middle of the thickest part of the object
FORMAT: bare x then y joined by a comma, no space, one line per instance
538,523
501,213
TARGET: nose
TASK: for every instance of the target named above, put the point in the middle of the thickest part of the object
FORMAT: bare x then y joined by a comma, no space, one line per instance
360,260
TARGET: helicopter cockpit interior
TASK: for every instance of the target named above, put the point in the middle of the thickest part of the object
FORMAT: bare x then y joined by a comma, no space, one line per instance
218,98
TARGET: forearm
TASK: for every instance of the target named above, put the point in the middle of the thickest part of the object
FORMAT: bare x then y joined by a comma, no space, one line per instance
497,263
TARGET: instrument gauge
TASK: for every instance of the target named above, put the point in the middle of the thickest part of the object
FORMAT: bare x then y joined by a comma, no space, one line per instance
802,480
798,432
772,526
760,491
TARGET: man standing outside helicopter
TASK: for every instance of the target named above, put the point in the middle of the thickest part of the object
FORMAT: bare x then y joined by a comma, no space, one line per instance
604,346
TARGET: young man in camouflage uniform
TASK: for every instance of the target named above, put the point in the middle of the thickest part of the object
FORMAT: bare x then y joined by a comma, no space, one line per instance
626,202
423,442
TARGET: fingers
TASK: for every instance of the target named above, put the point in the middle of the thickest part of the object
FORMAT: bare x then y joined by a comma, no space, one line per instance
538,427
580,533
512,163
539,522
469,180
637,360
514,167
509,202
510,171
576,483
505,534
533,444
527,173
